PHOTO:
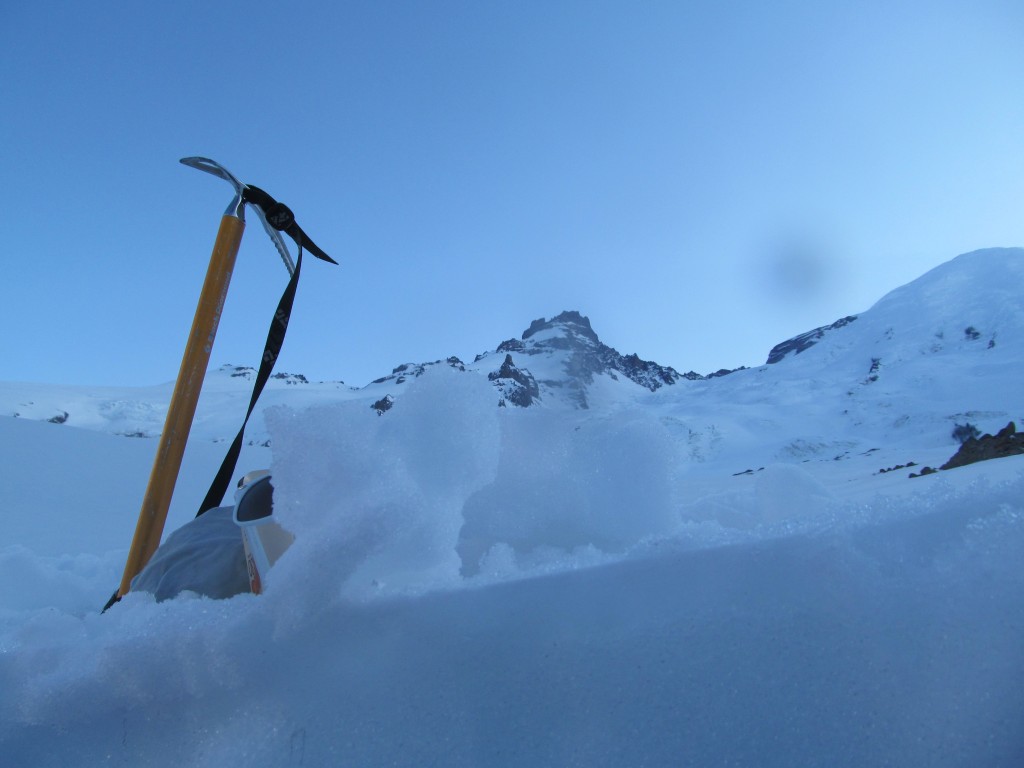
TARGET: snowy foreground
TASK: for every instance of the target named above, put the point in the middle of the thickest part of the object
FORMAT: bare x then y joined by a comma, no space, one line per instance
477,586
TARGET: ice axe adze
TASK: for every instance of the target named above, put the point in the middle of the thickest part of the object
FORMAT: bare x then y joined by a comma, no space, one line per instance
276,218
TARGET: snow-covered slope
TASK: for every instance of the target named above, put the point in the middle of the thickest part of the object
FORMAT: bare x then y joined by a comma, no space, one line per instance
140,411
627,567
943,349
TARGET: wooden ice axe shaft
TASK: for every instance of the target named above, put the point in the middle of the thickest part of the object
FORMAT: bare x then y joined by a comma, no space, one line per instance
187,387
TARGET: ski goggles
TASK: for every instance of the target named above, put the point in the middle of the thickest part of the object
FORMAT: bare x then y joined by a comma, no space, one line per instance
264,540
254,499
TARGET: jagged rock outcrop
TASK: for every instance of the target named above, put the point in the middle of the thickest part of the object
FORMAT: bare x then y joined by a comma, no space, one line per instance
516,385
1006,442
805,341
577,325
408,371
383,405
716,375
249,373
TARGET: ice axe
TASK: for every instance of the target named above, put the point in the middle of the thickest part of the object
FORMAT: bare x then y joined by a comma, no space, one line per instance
276,218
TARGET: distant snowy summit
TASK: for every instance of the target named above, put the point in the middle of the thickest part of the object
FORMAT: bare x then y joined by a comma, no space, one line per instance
976,299
569,357
561,360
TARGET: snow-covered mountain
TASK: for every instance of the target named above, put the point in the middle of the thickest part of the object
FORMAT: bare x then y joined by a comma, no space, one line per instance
965,303
555,554
966,312
943,349
555,363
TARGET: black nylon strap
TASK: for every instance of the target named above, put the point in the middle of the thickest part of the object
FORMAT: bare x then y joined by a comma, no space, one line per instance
272,349
280,217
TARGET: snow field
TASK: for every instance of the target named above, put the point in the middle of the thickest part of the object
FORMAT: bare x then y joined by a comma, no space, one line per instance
892,638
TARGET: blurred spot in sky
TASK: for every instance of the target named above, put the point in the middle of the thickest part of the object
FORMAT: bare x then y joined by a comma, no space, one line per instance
796,267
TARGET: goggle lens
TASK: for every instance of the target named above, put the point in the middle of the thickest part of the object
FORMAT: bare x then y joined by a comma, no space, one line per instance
256,502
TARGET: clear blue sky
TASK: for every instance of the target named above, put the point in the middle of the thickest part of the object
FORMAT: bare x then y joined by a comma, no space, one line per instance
703,179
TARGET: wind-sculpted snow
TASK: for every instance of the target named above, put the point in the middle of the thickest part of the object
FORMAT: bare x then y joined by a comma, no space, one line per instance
445,486
567,484
883,632
379,499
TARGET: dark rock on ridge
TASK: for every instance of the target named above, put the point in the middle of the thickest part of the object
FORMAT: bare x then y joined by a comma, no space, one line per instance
716,375
249,373
414,370
805,341
580,325
1006,442
516,385
383,405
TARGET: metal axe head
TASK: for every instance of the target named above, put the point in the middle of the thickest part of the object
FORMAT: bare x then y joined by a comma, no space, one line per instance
237,206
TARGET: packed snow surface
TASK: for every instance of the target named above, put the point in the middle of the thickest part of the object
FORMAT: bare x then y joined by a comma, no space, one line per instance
716,573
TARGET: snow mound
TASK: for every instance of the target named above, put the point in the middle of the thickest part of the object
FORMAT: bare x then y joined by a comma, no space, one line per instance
376,502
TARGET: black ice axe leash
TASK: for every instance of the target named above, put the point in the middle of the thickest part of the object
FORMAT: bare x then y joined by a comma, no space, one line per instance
276,218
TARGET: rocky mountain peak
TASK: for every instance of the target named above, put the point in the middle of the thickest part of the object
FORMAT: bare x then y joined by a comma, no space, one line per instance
515,385
571,323
567,355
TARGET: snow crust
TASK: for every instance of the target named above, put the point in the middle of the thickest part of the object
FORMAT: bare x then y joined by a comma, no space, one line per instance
712,574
